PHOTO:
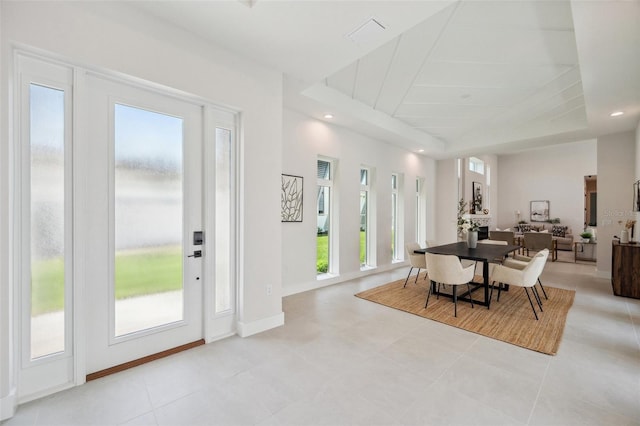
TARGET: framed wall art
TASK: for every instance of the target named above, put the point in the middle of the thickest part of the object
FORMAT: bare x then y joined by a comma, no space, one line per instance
476,199
291,198
540,211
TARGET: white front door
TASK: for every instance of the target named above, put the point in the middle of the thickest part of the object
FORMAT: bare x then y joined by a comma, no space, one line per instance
141,204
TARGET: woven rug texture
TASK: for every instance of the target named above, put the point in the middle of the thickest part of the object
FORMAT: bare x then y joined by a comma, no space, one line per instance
510,320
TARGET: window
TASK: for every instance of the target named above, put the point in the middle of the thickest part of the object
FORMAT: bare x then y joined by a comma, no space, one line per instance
49,220
323,239
364,217
394,216
421,217
476,165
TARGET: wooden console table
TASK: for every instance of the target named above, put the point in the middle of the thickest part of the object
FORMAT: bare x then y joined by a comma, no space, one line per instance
625,269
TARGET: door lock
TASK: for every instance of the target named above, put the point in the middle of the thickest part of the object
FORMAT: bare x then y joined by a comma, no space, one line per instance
197,253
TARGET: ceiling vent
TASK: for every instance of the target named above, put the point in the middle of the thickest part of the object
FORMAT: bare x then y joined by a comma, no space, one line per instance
367,32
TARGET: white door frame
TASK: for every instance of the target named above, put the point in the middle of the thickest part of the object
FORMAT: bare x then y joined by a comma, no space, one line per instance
216,325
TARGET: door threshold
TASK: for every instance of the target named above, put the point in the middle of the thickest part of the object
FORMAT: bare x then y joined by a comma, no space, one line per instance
143,360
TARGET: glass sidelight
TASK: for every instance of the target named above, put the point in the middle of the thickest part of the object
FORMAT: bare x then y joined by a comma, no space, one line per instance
47,228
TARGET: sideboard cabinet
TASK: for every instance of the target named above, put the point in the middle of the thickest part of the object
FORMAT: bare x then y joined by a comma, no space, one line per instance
625,269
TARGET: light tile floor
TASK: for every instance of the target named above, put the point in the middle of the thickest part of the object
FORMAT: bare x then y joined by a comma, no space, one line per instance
341,360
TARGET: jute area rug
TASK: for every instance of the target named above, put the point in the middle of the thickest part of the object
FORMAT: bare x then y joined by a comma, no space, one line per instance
510,320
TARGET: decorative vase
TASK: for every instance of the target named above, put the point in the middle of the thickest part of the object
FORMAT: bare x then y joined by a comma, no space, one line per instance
472,239
624,236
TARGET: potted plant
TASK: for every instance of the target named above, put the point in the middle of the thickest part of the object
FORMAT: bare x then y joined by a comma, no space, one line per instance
586,236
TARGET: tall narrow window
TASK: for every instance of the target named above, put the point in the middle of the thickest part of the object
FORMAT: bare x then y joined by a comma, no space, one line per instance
224,203
364,217
148,189
396,252
421,216
325,182
47,229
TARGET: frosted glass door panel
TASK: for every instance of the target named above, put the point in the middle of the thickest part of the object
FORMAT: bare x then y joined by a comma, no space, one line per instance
47,175
148,193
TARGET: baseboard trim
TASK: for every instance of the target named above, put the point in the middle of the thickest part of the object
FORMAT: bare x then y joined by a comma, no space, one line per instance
8,405
143,360
255,327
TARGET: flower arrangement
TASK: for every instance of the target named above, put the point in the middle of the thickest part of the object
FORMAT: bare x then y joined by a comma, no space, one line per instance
629,225
465,225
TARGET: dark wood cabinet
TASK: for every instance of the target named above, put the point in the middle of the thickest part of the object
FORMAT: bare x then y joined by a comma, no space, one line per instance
625,269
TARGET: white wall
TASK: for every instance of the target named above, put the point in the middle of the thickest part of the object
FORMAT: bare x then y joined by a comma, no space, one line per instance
447,201
616,174
554,173
98,35
304,140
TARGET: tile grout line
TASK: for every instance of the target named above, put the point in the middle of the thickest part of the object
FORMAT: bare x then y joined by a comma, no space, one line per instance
535,401
633,325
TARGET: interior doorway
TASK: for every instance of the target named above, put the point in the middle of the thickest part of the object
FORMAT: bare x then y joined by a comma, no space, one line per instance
590,201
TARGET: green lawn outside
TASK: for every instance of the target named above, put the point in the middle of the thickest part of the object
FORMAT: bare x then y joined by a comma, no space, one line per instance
322,242
137,273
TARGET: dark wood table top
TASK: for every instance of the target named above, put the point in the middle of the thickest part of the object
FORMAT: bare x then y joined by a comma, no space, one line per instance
482,252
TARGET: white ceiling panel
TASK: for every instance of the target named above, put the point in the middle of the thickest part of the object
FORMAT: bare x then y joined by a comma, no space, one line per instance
474,73
372,72
413,49
488,75
344,80
443,110
515,14
506,46
478,96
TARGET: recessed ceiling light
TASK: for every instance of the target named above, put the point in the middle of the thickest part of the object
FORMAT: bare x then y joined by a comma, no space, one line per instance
421,150
617,114
328,116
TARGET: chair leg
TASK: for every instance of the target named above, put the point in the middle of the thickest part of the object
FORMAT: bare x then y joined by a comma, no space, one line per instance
405,281
543,292
455,301
425,274
531,303
431,284
417,275
535,293
438,292
470,298
499,290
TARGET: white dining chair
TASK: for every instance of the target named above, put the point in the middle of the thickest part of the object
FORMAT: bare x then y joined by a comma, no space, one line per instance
416,260
519,261
447,269
525,278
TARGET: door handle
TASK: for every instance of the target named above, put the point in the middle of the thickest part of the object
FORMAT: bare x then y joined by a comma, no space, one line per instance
197,253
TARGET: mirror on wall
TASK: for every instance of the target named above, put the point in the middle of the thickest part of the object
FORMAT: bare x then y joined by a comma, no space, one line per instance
590,201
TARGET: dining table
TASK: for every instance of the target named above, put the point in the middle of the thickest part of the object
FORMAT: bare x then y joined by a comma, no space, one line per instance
485,253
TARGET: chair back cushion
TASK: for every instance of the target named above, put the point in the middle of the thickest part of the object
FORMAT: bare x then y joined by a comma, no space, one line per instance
538,240
534,268
447,269
417,260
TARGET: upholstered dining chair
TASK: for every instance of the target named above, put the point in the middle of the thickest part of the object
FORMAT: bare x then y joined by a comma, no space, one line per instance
447,269
507,236
525,278
536,241
416,260
519,261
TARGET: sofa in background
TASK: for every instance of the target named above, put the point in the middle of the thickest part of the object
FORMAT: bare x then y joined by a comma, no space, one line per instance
562,234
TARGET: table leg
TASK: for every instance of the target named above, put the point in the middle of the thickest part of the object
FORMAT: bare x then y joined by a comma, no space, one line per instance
485,276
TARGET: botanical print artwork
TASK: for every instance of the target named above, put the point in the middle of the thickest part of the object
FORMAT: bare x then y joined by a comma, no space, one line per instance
291,198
